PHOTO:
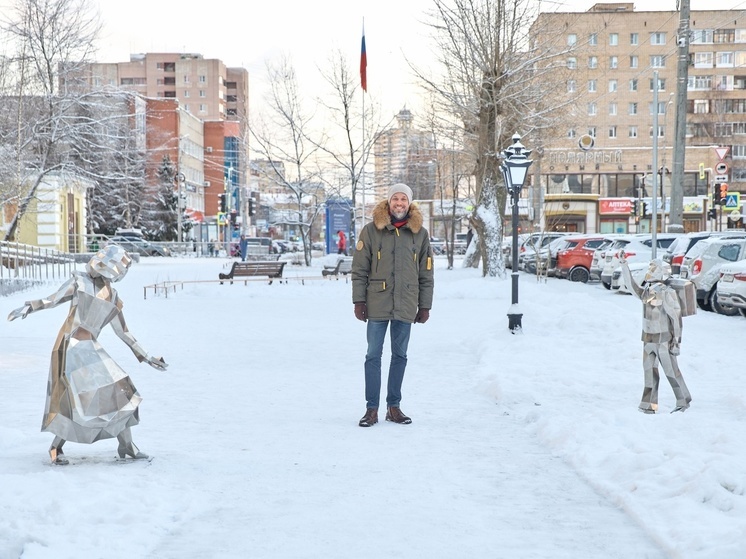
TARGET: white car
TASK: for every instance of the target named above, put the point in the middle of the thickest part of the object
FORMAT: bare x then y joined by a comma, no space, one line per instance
637,248
638,271
702,266
731,288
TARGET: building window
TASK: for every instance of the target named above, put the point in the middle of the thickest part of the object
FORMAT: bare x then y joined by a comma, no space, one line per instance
632,108
701,106
699,82
612,131
657,38
572,63
202,93
612,109
661,84
613,39
592,109
633,131
661,133
593,39
634,39
661,108
724,59
571,133
701,36
572,40
571,86
703,60
593,62
724,36
612,86
614,62
658,61
592,86
202,108
203,79
592,131
634,61
186,78
186,93
633,84
738,151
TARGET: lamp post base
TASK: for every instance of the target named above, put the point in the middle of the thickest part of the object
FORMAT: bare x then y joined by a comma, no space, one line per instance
514,323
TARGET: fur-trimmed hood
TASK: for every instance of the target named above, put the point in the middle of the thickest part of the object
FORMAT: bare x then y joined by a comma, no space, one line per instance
382,217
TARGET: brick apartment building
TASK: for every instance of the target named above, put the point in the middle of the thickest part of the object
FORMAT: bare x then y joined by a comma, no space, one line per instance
607,57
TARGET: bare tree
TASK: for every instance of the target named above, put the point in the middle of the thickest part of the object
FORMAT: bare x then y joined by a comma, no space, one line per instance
356,126
281,137
50,37
488,81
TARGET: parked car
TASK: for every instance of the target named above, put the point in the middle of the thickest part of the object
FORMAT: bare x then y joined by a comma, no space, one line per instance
637,248
532,246
599,257
731,287
574,259
702,266
674,255
507,246
139,246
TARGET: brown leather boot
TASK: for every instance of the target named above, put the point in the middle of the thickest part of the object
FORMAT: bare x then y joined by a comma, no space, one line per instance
396,415
370,418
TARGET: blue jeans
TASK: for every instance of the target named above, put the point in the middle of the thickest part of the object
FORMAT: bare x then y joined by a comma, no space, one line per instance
399,342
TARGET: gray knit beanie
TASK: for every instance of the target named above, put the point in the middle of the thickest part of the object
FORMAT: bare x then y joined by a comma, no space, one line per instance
400,188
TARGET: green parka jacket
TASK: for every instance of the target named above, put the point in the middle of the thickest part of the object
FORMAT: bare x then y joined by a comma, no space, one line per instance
392,269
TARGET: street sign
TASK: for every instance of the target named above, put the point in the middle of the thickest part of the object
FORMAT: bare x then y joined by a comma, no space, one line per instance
722,152
735,215
721,178
732,201
721,168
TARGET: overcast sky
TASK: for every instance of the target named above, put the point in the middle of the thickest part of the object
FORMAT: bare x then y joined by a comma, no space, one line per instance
248,34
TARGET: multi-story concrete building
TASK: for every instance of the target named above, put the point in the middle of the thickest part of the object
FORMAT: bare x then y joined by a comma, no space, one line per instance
608,57
405,154
185,92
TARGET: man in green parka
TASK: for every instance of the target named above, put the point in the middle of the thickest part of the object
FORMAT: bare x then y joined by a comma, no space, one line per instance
392,283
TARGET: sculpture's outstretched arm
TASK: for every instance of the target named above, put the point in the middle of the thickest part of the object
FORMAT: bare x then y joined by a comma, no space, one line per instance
64,294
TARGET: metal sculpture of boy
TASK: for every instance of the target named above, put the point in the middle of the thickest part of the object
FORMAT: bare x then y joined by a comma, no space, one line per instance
89,397
661,333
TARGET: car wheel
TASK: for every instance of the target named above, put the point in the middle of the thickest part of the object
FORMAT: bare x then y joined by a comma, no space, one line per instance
704,304
606,285
743,312
727,310
579,274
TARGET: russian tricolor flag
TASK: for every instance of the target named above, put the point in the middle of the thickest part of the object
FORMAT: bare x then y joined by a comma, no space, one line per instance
363,65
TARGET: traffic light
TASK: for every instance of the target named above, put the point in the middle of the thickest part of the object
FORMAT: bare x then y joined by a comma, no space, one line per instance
634,207
645,209
234,218
723,192
712,213
222,202
252,206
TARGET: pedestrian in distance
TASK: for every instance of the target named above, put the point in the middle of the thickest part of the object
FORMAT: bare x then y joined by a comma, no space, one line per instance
392,286
341,243
89,396
661,333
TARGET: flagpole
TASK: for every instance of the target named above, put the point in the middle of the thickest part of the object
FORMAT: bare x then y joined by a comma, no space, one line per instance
363,89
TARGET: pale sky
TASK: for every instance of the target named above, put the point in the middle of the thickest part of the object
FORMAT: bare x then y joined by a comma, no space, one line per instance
247,34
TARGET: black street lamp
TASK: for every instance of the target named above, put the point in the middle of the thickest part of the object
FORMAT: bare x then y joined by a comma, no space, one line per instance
515,168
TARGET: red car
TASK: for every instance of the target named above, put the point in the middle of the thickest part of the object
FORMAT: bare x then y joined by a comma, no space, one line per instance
574,260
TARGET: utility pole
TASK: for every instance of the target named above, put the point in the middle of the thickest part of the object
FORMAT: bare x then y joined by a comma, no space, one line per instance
676,216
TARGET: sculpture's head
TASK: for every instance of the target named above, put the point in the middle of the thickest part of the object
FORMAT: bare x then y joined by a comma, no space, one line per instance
658,271
111,262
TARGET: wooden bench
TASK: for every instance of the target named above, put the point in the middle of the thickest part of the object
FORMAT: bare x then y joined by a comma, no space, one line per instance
343,266
271,269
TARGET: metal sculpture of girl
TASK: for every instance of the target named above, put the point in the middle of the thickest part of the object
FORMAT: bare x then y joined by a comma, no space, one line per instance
89,396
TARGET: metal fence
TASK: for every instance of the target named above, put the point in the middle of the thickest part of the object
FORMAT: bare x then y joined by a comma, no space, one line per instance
23,266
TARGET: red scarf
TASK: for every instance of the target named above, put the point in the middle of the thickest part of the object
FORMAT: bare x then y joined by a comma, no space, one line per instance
398,223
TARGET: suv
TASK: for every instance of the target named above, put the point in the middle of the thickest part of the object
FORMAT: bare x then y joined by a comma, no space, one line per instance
139,246
731,288
676,251
599,256
702,265
637,248
575,258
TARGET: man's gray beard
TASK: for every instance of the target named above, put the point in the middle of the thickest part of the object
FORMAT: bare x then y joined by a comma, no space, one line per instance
399,215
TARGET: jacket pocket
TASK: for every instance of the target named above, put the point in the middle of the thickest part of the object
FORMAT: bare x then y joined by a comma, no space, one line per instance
380,299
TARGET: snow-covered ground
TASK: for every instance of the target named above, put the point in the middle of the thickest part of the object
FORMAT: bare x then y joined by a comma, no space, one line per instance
521,446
